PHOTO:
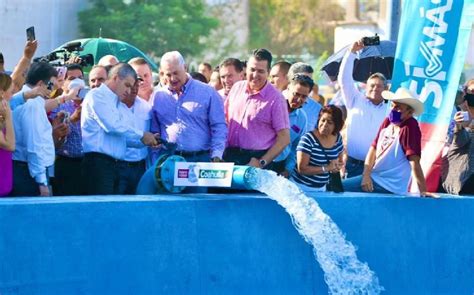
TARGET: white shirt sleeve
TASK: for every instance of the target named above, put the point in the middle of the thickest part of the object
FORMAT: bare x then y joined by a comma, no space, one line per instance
35,138
111,120
345,80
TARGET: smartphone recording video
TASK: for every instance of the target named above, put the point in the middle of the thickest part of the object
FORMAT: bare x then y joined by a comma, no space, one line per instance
30,34
465,116
371,41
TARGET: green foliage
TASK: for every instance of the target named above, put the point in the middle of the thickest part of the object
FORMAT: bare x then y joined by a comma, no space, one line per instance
154,26
293,27
318,75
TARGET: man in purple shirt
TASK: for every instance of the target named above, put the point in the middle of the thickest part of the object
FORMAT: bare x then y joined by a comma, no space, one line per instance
188,114
69,153
257,115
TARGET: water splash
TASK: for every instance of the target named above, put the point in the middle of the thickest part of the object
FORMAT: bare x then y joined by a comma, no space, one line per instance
343,272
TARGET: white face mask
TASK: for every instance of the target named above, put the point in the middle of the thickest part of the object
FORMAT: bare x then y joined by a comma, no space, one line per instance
77,83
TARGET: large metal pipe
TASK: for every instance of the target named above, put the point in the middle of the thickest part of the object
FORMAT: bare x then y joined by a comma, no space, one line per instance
160,177
242,177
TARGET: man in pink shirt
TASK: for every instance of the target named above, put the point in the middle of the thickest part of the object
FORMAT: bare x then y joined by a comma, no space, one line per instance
257,116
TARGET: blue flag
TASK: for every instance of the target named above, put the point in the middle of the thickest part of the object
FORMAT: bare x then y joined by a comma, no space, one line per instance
431,50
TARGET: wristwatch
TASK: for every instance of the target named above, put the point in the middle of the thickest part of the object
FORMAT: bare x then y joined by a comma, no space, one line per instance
262,163
324,168
42,183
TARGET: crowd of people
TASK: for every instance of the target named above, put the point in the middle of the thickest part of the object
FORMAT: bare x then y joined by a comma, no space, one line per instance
62,135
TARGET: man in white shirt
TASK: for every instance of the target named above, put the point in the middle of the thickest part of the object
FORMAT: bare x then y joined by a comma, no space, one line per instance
143,69
137,113
365,112
34,152
105,132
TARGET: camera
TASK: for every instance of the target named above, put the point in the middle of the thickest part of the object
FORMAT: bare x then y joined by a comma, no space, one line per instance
59,57
370,41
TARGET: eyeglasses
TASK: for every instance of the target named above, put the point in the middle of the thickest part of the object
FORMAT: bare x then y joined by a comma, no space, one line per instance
299,96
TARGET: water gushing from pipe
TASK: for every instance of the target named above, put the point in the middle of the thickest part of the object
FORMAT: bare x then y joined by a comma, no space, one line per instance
343,272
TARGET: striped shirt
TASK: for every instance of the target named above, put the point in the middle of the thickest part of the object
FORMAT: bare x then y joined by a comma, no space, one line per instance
309,145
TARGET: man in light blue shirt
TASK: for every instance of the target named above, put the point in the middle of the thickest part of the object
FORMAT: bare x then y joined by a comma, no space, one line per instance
105,132
311,107
296,95
34,152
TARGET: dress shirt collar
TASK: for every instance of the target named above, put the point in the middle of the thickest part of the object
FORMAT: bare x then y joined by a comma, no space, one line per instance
381,104
184,88
25,88
108,92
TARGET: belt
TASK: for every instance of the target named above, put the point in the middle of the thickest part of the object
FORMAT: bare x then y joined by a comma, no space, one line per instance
191,154
236,149
72,159
132,163
20,163
351,159
101,156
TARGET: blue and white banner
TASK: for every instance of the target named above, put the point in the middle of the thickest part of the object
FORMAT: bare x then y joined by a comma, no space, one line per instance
431,50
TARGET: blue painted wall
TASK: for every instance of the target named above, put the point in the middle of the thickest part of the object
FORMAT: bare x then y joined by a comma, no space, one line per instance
238,244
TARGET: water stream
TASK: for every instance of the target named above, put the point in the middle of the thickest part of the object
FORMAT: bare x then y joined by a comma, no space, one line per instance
343,272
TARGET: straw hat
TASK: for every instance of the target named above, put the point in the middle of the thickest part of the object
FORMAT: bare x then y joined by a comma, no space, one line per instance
403,95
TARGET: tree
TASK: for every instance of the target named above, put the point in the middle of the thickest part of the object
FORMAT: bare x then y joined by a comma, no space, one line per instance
154,26
293,27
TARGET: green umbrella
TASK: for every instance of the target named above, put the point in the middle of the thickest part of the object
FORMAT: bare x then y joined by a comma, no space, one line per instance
100,47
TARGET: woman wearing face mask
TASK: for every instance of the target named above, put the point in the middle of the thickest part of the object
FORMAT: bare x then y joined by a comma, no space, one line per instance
457,173
395,153
7,135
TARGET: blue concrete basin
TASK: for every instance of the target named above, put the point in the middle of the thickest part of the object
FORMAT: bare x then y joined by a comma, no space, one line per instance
226,244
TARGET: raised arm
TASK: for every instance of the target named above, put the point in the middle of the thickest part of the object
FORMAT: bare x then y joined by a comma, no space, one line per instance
19,73
345,80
